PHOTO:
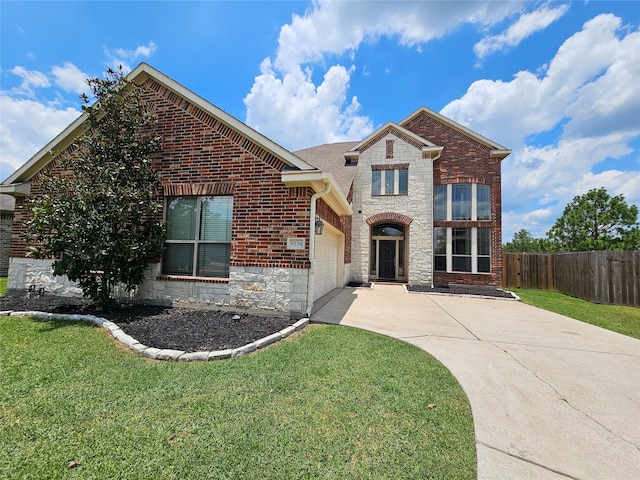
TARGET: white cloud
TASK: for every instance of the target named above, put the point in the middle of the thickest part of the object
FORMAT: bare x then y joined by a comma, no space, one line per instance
30,79
284,98
588,97
525,26
27,126
302,111
70,78
32,113
123,57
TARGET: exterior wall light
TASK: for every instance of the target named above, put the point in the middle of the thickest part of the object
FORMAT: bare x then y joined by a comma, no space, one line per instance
319,226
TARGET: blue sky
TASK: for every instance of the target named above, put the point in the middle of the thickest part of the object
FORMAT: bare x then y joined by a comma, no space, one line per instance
556,82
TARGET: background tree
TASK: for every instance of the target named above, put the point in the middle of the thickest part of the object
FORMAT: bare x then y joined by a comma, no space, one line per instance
523,241
597,221
100,219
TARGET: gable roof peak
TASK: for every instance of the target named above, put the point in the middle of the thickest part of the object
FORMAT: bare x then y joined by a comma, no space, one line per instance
428,149
497,150
17,182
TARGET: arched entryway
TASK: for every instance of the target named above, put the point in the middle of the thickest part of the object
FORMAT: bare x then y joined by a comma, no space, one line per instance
388,252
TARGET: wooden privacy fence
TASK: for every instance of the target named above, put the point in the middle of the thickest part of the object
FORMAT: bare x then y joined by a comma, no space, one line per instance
600,277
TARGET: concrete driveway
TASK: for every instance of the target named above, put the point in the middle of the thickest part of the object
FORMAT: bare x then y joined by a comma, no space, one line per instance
552,397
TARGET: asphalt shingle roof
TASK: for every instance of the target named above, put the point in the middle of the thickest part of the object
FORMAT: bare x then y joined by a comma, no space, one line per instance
330,158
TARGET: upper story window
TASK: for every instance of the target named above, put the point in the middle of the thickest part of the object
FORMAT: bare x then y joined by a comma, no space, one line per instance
462,201
198,239
389,180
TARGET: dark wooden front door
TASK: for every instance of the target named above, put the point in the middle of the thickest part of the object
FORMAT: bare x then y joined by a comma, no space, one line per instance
387,259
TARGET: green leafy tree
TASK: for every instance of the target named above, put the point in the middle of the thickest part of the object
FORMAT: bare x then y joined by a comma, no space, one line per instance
523,241
100,218
597,221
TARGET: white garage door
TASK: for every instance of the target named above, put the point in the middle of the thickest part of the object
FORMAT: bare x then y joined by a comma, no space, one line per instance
326,263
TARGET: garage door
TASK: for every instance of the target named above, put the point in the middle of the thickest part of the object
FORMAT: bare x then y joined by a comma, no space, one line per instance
326,263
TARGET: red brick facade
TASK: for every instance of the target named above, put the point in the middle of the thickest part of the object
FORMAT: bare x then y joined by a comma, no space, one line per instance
465,160
202,156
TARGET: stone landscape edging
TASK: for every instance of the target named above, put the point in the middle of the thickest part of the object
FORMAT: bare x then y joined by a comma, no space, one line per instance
164,353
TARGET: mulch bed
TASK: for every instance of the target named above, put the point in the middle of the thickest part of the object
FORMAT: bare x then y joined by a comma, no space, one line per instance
187,329
193,329
462,290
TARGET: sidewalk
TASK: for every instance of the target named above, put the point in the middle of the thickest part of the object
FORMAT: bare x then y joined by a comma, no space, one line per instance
551,397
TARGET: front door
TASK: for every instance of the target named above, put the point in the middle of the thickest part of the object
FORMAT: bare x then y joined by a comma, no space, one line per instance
387,259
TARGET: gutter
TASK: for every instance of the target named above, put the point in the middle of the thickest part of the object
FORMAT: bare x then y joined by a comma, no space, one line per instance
312,244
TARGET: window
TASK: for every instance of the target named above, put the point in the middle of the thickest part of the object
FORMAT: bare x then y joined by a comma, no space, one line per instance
198,239
385,181
483,202
376,188
462,201
462,249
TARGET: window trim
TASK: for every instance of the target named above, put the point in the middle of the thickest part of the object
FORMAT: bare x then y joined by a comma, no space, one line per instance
449,250
196,241
449,202
380,172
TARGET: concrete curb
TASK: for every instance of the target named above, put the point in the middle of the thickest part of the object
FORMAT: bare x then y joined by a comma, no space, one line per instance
163,354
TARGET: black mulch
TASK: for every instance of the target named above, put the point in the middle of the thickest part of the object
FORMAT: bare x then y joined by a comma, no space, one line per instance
192,329
462,290
187,329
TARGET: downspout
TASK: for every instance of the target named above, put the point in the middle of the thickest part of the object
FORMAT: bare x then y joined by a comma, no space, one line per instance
312,245
433,159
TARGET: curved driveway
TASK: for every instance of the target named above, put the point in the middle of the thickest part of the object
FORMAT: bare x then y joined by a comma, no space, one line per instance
551,397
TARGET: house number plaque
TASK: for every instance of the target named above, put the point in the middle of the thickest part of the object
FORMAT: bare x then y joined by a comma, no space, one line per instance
295,243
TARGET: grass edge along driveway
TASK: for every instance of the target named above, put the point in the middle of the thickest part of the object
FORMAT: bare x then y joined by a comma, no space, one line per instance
617,318
331,402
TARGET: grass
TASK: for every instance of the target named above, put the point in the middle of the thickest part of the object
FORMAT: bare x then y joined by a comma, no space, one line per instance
618,318
330,402
3,285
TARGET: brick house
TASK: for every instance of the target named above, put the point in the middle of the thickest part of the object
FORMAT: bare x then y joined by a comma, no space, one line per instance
6,226
415,202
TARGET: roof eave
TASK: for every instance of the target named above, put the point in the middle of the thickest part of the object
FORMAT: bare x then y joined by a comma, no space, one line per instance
16,189
318,180
500,154
144,71
456,126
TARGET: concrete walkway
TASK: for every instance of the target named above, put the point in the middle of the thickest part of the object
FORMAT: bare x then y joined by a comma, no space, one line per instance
552,398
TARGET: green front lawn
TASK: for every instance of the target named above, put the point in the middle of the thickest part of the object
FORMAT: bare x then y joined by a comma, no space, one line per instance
621,319
3,285
333,402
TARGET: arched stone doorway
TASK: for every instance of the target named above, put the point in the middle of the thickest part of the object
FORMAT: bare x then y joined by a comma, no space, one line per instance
388,252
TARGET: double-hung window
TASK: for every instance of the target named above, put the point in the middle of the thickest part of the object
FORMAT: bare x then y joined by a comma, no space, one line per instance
198,240
389,181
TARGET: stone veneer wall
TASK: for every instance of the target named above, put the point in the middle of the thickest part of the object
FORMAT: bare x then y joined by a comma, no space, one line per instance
24,272
265,288
417,205
280,289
